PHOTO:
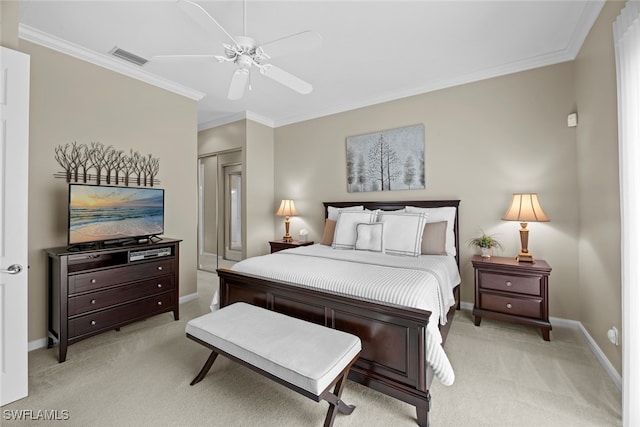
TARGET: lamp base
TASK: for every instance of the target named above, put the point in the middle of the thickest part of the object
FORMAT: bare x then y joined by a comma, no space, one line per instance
524,257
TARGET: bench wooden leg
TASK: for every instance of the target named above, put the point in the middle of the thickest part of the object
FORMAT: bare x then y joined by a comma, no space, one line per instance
205,369
335,402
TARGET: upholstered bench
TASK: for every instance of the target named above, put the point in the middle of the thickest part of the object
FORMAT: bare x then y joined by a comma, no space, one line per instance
303,356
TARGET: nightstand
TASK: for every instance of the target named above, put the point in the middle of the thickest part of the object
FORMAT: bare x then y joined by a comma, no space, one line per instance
512,291
278,245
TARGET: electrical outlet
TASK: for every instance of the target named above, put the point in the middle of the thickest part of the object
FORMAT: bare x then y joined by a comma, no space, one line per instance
612,334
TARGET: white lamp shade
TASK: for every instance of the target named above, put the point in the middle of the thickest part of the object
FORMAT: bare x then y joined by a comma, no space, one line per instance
287,208
525,207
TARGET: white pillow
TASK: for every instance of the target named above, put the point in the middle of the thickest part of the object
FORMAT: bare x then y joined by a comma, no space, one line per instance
403,232
332,211
445,213
370,237
345,235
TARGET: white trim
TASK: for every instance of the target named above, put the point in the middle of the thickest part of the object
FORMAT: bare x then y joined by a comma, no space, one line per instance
190,297
608,367
626,40
588,17
109,62
234,118
36,344
593,346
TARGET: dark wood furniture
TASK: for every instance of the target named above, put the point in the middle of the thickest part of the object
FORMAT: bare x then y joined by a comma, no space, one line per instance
512,291
96,290
392,360
279,245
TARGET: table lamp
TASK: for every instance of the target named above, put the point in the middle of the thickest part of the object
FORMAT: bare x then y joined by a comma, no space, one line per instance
287,209
525,208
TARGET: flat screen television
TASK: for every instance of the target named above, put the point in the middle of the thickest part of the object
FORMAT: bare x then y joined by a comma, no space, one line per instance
100,213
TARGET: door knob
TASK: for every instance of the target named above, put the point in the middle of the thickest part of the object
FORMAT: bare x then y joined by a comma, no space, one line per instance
13,269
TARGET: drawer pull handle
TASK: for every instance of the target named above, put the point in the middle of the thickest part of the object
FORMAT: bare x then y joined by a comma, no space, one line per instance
92,281
159,302
509,283
509,305
93,323
93,302
160,267
159,285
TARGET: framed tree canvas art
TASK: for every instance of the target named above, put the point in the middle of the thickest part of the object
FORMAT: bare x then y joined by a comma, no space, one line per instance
386,160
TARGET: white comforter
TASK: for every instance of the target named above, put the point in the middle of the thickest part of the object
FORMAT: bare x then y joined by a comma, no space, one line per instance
425,282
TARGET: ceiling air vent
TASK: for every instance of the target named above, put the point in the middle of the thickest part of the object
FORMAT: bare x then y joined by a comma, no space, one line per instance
128,56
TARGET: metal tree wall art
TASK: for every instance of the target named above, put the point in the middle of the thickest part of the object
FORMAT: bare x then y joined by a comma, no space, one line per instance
100,163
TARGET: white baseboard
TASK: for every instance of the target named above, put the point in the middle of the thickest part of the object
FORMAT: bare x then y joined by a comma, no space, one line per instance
555,321
42,342
36,344
189,297
604,361
574,324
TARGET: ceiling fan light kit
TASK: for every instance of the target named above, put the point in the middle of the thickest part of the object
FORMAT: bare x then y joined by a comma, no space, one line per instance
245,53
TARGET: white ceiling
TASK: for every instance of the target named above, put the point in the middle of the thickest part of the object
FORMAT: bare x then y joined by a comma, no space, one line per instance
372,51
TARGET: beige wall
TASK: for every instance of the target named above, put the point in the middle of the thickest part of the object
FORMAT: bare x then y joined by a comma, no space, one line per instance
256,142
72,100
483,141
259,189
597,150
9,18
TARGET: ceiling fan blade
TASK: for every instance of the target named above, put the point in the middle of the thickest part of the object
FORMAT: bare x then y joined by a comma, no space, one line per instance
183,58
286,79
299,42
238,83
202,17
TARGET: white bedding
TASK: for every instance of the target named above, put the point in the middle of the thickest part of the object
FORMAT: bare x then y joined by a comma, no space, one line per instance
425,282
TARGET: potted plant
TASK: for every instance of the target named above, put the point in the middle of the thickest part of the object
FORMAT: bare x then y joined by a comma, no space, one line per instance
485,242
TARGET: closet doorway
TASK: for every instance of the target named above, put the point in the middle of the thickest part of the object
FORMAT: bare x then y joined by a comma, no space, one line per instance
219,209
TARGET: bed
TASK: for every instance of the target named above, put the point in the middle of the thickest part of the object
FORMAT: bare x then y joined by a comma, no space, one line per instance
403,330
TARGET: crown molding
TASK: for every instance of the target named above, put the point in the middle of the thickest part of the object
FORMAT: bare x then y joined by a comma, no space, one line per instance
209,124
41,38
589,15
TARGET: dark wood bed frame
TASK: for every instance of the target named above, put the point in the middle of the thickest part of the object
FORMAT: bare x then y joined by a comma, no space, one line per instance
392,360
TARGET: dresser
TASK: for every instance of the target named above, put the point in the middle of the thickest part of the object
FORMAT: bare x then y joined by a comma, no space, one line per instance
512,291
97,290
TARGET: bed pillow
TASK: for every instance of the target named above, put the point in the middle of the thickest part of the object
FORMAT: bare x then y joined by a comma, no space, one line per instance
445,213
332,211
370,237
403,233
327,234
344,236
434,238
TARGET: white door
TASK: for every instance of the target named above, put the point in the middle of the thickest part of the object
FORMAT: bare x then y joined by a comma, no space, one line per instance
14,162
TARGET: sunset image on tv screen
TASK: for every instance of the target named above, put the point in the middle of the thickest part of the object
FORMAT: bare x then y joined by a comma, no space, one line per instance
98,213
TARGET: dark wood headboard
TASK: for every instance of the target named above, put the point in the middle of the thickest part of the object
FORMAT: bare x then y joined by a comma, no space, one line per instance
390,206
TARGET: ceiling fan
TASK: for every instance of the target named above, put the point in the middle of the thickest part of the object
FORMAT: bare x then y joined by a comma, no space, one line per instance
246,53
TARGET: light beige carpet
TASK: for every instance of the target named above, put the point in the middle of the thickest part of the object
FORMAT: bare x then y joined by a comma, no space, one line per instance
506,375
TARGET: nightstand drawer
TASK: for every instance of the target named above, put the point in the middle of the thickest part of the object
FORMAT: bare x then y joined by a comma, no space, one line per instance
503,282
528,307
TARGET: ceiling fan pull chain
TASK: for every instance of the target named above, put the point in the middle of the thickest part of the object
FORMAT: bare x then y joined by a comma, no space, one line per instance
244,18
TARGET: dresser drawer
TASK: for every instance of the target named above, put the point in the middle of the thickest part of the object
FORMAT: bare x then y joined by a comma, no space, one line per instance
109,318
99,279
527,307
101,299
507,283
